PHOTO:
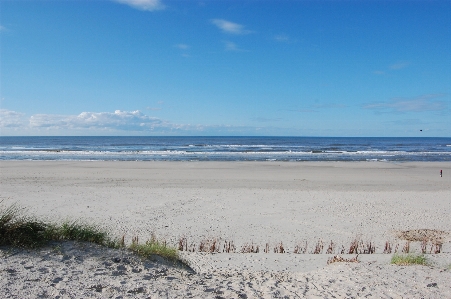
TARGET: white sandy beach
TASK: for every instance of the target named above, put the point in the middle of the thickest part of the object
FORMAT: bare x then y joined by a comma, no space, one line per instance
244,202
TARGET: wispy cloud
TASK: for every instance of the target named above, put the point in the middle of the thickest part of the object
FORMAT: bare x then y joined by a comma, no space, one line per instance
11,119
393,67
304,110
421,103
265,119
182,46
231,46
283,38
403,122
230,27
3,28
399,65
318,107
159,103
184,49
329,106
149,5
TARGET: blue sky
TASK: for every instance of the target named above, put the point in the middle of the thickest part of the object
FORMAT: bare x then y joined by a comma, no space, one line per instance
290,68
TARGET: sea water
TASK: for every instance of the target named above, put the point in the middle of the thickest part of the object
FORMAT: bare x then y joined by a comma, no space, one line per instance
121,148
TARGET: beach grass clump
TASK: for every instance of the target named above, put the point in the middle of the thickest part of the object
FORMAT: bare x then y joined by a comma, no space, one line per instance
19,230
79,231
154,247
408,259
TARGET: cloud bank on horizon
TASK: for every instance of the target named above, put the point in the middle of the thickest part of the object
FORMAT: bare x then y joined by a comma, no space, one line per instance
154,67
105,123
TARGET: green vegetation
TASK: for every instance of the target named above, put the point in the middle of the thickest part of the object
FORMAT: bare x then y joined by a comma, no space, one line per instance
19,230
78,231
152,247
408,259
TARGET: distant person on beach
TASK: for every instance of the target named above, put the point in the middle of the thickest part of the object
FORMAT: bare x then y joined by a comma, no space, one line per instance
441,173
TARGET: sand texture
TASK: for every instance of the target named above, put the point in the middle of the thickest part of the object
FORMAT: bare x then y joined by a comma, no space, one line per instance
248,204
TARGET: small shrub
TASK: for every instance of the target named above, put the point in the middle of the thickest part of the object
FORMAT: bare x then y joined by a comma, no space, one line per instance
408,259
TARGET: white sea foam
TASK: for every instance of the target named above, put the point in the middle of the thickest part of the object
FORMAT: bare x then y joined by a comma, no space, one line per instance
225,149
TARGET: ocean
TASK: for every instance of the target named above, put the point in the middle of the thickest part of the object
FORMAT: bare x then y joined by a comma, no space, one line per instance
124,148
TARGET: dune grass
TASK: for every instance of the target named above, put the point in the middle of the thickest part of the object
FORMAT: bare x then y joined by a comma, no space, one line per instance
22,231
154,247
76,231
408,259
19,230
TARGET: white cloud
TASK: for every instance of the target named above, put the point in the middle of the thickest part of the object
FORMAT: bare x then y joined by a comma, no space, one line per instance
94,123
119,120
149,5
14,123
11,119
417,104
3,28
230,27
